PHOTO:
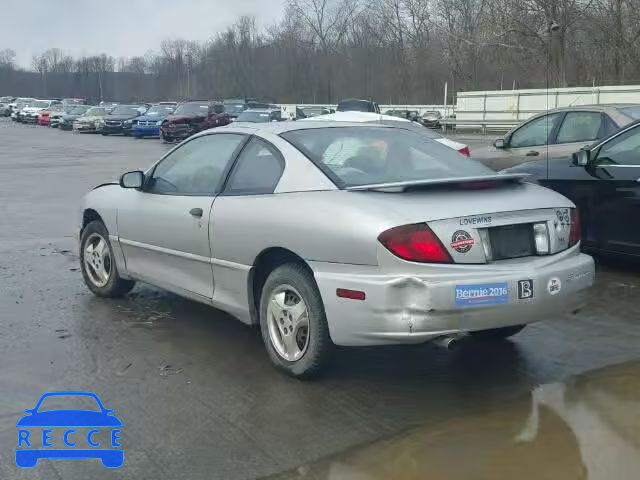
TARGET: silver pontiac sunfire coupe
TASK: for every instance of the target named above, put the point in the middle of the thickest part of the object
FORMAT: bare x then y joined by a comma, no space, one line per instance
332,233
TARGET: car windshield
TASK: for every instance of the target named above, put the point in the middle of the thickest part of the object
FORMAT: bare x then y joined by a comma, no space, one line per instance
255,117
193,109
126,110
40,104
96,111
160,110
234,108
77,109
354,156
633,112
356,106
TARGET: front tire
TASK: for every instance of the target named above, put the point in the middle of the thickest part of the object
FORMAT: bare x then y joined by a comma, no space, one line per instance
293,321
98,265
496,334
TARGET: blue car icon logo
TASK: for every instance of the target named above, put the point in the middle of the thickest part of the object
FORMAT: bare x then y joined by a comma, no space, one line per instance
40,433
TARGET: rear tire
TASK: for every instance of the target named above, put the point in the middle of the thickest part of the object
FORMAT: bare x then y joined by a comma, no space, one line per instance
98,265
496,334
298,346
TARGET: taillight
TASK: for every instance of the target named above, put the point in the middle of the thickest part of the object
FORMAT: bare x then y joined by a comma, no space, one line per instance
574,233
465,151
416,243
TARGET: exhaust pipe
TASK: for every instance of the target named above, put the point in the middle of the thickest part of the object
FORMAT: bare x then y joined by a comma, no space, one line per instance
451,342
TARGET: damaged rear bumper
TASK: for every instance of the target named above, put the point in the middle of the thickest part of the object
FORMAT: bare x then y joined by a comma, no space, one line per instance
415,308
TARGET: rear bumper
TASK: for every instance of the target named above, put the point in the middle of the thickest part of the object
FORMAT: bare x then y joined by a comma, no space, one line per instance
416,308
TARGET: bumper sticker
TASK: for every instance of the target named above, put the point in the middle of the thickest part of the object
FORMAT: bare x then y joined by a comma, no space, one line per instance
554,285
482,294
462,241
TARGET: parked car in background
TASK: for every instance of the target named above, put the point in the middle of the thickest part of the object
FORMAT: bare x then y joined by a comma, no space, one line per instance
17,105
431,119
74,101
603,180
260,115
16,114
120,120
355,105
64,120
193,117
316,111
366,117
90,121
406,114
148,125
44,117
29,114
413,243
5,109
556,134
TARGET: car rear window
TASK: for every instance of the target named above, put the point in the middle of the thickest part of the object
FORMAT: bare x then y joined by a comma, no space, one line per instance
353,156
633,112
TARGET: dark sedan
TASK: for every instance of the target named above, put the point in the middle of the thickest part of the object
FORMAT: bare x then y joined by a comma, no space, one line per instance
191,118
120,120
603,180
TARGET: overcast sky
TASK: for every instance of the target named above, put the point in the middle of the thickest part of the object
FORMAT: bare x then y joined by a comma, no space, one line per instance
119,27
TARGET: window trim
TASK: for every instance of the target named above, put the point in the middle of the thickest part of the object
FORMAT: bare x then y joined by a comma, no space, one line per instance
599,133
598,148
225,172
551,137
225,186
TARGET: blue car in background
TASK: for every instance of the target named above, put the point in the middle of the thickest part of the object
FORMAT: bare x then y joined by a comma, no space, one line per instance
149,124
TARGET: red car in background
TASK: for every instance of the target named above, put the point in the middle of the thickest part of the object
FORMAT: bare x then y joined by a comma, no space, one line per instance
44,117
191,118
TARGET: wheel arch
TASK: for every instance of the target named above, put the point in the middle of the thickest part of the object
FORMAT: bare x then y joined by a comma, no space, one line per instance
88,216
265,262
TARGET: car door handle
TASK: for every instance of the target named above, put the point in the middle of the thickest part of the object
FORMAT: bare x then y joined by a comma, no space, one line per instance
195,212
532,153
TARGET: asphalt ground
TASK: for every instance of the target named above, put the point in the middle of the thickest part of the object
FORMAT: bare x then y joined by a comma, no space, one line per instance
198,397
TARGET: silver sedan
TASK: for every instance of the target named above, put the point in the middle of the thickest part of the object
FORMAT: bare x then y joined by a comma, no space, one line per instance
329,233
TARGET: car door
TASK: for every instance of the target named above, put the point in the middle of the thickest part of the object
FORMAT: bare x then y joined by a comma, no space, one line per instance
578,129
526,143
252,180
164,227
616,204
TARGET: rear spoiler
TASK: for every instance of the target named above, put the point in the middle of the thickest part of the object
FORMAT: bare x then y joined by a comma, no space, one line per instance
409,184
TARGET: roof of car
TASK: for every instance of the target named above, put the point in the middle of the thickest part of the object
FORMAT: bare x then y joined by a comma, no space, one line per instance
261,110
278,128
599,106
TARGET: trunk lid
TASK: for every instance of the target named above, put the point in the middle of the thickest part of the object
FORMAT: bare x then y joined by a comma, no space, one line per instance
484,225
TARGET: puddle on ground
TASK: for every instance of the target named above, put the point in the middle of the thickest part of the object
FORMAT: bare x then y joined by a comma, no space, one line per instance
586,428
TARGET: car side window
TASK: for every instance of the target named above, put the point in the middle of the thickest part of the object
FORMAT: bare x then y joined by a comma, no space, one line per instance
195,168
257,171
579,127
536,132
622,150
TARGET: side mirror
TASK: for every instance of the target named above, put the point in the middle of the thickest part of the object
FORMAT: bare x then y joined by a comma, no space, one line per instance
499,143
133,179
581,158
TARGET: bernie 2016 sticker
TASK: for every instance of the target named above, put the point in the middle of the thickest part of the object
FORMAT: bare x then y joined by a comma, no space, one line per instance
482,294
462,241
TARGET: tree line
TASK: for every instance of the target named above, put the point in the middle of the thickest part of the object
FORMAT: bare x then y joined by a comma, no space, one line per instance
393,51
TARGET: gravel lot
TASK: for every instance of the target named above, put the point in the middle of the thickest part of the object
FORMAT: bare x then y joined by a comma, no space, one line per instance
194,388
